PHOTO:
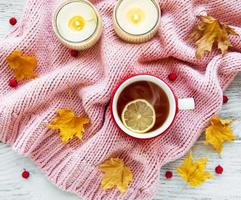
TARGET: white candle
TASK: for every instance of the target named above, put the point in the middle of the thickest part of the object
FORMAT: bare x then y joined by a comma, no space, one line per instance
136,20
77,24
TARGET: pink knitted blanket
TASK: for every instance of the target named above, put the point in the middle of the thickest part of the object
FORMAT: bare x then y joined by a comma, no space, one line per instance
26,111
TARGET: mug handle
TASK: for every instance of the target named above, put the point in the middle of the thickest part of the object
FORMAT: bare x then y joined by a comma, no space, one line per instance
186,104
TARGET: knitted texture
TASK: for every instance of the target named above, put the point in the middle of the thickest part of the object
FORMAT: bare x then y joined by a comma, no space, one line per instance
85,85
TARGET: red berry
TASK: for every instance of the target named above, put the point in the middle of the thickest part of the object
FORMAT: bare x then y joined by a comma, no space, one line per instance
13,83
225,99
12,21
172,76
219,169
168,174
74,53
25,174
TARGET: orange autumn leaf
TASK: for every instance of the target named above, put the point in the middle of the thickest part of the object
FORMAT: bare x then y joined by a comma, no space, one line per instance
194,172
68,124
218,132
23,66
210,31
116,174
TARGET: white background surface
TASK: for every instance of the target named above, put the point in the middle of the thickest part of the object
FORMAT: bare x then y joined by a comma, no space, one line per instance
223,187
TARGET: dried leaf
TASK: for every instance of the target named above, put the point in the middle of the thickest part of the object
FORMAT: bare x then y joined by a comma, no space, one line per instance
68,124
193,172
22,66
210,31
116,174
218,132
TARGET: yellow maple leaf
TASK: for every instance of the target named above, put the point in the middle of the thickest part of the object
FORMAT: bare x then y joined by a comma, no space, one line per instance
68,124
210,31
193,172
116,174
22,66
218,132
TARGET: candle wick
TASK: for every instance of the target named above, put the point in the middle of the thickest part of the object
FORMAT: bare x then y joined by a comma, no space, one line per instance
136,17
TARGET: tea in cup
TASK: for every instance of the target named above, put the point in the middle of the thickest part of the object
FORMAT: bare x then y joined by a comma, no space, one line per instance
144,106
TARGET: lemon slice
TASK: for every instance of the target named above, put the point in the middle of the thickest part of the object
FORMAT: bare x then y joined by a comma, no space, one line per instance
139,116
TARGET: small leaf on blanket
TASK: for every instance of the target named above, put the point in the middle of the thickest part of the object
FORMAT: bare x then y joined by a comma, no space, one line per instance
218,132
210,31
194,172
68,124
116,174
22,66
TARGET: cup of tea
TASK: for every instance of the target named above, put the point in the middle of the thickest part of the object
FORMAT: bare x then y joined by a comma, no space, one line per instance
144,106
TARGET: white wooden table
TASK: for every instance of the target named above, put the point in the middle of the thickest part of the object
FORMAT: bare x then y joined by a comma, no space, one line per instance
223,187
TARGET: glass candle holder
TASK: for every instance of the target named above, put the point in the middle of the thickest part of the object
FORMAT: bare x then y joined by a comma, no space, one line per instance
136,21
77,24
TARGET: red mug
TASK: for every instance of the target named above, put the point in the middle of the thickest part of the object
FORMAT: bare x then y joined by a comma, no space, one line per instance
175,104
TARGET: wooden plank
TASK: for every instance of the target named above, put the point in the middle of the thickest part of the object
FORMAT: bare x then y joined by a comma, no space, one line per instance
14,187
225,186
9,8
222,187
233,108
